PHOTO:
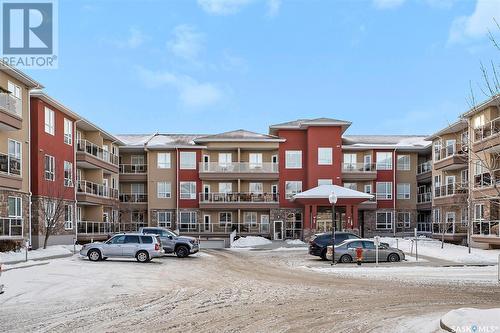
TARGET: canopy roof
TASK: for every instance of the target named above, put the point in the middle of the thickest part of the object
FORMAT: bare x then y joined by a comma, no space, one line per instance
324,191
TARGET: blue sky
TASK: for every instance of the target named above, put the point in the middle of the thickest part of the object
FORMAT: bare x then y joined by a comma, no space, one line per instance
208,66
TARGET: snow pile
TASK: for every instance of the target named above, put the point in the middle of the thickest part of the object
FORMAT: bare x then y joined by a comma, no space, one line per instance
295,242
250,241
50,251
472,320
457,253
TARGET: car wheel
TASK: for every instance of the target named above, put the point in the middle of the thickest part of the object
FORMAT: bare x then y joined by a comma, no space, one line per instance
142,256
182,251
346,259
94,255
323,254
393,257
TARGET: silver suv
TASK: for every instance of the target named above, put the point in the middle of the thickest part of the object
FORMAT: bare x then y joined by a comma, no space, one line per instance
139,246
182,246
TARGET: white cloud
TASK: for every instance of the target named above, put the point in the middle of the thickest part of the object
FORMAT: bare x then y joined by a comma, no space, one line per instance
186,43
477,24
192,94
135,39
273,7
223,7
387,4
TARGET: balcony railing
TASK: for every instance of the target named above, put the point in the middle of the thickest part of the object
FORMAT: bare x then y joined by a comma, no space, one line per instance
133,168
105,228
86,187
486,228
424,167
11,227
238,197
449,151
96,151
450,189
489,129
10,165
358,167
133,197
239,167
424,197
10,104
226,227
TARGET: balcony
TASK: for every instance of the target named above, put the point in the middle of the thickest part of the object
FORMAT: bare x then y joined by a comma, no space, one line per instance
97,194
226,228
10,113
240,170
486,186
424,172
486,136
10,172
104,230
91,156
359,171
451,157
239,200
136,200
11,228
454,193
486,232
424,200
133,172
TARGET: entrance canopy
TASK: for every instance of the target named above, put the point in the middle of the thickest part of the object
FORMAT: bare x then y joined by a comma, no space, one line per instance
320,194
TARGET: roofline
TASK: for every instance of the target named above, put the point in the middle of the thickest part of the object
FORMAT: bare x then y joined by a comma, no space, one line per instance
479,107
448,128
19,75
239,140
392,147
54,103
109,135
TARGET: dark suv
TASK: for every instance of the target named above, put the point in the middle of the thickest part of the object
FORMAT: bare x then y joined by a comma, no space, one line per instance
319,242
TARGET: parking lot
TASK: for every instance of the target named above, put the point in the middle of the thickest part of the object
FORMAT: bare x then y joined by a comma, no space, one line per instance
223,291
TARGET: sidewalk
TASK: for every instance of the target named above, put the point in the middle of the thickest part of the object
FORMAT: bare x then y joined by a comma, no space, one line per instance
51,252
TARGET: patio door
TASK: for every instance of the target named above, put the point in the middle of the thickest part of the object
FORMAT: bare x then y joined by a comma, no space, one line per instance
206,192
367,162
278,230
206,163
206,222
105,184
264,223
450,185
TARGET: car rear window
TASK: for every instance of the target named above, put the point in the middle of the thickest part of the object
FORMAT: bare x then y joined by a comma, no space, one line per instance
131,239
147,239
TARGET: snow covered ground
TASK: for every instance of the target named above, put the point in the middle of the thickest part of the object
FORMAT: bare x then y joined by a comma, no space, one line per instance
473,320
456,253
250,241
50,251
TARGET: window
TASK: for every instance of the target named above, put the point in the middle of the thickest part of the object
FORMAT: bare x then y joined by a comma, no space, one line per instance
437,150
250,218
465,216
256,188
464,176
138,159
164,190
404,219
255,160
164,219
325,156
384,161
68,132
50,173
15,207
188,160
368,188
437,215
137,216
450,217
225,218
49,121
352,186
15,157
478,212
68,174
384,220
292,188
349,162
325,182
225,159
403,191
164,161
404,162
293,159
450,147
384,190
50,209
147,240
139,188
225,188
131,239
68,216
188,190
188,219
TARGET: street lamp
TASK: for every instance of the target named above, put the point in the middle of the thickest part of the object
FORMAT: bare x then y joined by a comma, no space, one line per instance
333,200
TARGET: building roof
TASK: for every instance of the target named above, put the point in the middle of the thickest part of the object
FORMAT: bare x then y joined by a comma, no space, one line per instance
403,142
324,191
40,94
493,101
457,126
22,77
305,123
160,141
87,125
238,136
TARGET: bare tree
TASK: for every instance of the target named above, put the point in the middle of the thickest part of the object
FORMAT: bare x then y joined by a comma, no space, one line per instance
51,209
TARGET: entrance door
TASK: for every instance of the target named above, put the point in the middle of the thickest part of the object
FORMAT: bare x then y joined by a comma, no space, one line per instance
450,185
367,162
278,230
206,222
206,163
206,192
274,160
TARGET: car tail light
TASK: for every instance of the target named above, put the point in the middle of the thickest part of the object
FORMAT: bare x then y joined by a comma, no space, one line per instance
157,247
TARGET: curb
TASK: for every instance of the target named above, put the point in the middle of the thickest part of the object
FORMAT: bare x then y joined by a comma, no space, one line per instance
26,266
39,259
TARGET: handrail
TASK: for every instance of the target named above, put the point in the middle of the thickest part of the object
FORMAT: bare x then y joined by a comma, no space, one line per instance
358,167
10,104
215,197
424,197
87,187
238,167
96,151
10,165
424,167
450,189
133,168
134,197
487,130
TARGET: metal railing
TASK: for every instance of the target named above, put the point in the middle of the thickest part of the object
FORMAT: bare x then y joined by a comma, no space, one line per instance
133,197
424,167
228,227
449,151
424,197
358,167
239,167
489,129
133,168
10,104
96,151
11,227
486,228
214,197
105,228
86,187
10,165
450,189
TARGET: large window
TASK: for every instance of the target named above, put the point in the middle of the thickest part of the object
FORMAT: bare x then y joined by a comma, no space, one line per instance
50,168
325,156
68,174
404,219
250,218
479,212
384,161
255,160
188,160
225,159
349,161
163,160
404,162
292,188
49,121
384,190
15,156
15,207
188,190
68,216
164,190
225,218
256,188
225,188
188,219
164,219
68,132
384,220
403,191
293,159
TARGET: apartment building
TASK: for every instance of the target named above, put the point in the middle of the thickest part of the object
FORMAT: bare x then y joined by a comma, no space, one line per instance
14,156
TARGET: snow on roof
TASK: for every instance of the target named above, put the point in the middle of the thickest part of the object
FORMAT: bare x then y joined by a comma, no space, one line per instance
160,140
387,141
324,191
236,135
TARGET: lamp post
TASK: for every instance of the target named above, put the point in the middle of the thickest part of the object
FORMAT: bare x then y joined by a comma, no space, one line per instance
333,200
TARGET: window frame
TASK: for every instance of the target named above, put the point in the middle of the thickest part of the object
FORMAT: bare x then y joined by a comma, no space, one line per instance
68,131
68,212
167,191
167,223
228,218
403,195
50,173
388,194
49,121
385,165
293,159
167,163
405,165
68,174
192,194
325,155
387,224
182,160
297,189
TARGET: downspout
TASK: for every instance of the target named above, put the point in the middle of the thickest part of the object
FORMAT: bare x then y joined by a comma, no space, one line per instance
29,168
74,188
177,188
394,192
